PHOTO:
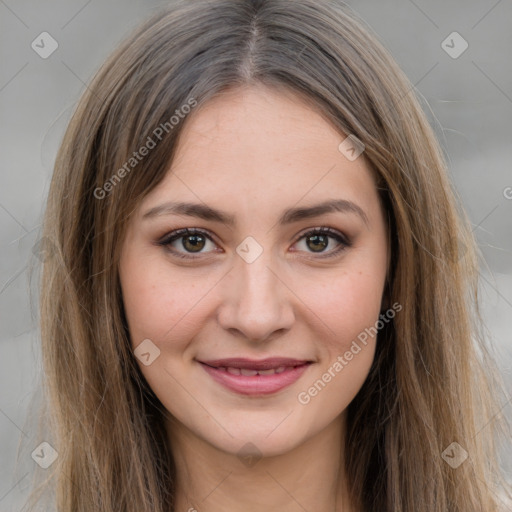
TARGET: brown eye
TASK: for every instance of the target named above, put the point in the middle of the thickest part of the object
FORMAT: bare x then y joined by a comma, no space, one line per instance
317,243
186,242
193,243
319,240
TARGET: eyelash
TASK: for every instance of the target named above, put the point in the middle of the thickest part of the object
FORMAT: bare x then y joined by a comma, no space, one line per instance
181,233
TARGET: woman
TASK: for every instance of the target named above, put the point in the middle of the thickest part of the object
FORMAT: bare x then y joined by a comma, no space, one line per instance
257,297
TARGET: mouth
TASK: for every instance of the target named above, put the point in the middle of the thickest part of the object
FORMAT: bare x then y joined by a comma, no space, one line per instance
253,377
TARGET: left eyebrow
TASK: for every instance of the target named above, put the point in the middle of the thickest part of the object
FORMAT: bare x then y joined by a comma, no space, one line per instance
337,205
289,216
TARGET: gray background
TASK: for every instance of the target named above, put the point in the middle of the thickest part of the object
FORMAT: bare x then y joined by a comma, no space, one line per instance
468,100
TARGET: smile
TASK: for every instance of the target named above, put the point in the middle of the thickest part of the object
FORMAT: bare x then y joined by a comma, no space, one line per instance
248,377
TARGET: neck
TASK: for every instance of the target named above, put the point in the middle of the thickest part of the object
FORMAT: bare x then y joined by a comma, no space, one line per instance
309,477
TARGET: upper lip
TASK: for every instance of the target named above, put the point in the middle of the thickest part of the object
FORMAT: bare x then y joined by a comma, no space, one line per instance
254,364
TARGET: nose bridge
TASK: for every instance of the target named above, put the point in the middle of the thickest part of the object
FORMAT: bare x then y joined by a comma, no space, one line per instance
259,283
257,301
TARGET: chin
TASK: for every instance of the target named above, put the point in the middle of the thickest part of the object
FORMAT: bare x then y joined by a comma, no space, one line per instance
267,438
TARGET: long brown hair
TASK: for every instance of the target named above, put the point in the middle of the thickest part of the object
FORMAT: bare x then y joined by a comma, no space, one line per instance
430,383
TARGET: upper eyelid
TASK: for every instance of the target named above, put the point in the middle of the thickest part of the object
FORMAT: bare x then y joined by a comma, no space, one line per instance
182,232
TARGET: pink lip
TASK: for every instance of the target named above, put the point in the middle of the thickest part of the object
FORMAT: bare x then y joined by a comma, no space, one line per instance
257,384
255,364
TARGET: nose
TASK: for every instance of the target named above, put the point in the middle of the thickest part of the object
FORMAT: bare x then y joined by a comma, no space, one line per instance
257,304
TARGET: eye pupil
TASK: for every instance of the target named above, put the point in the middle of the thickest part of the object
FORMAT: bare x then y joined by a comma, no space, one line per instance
195,242
321,240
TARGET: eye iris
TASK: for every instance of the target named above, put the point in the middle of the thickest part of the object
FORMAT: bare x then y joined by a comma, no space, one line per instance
195,242
320,241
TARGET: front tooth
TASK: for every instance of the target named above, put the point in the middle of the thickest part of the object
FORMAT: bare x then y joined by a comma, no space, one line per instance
271,371
248,373
281,369
233,371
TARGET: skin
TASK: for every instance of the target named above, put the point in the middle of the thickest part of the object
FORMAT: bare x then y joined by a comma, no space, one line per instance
254,152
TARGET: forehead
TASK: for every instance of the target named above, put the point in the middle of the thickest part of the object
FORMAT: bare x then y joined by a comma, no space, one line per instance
257,122
262,146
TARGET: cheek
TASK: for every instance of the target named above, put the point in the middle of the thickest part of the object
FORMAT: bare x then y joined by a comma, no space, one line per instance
347,303
348,308
158,305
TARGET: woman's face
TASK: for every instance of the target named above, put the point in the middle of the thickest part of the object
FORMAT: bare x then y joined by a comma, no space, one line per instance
256,168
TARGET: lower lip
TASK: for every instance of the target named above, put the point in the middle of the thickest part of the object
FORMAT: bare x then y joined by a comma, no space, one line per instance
257,384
